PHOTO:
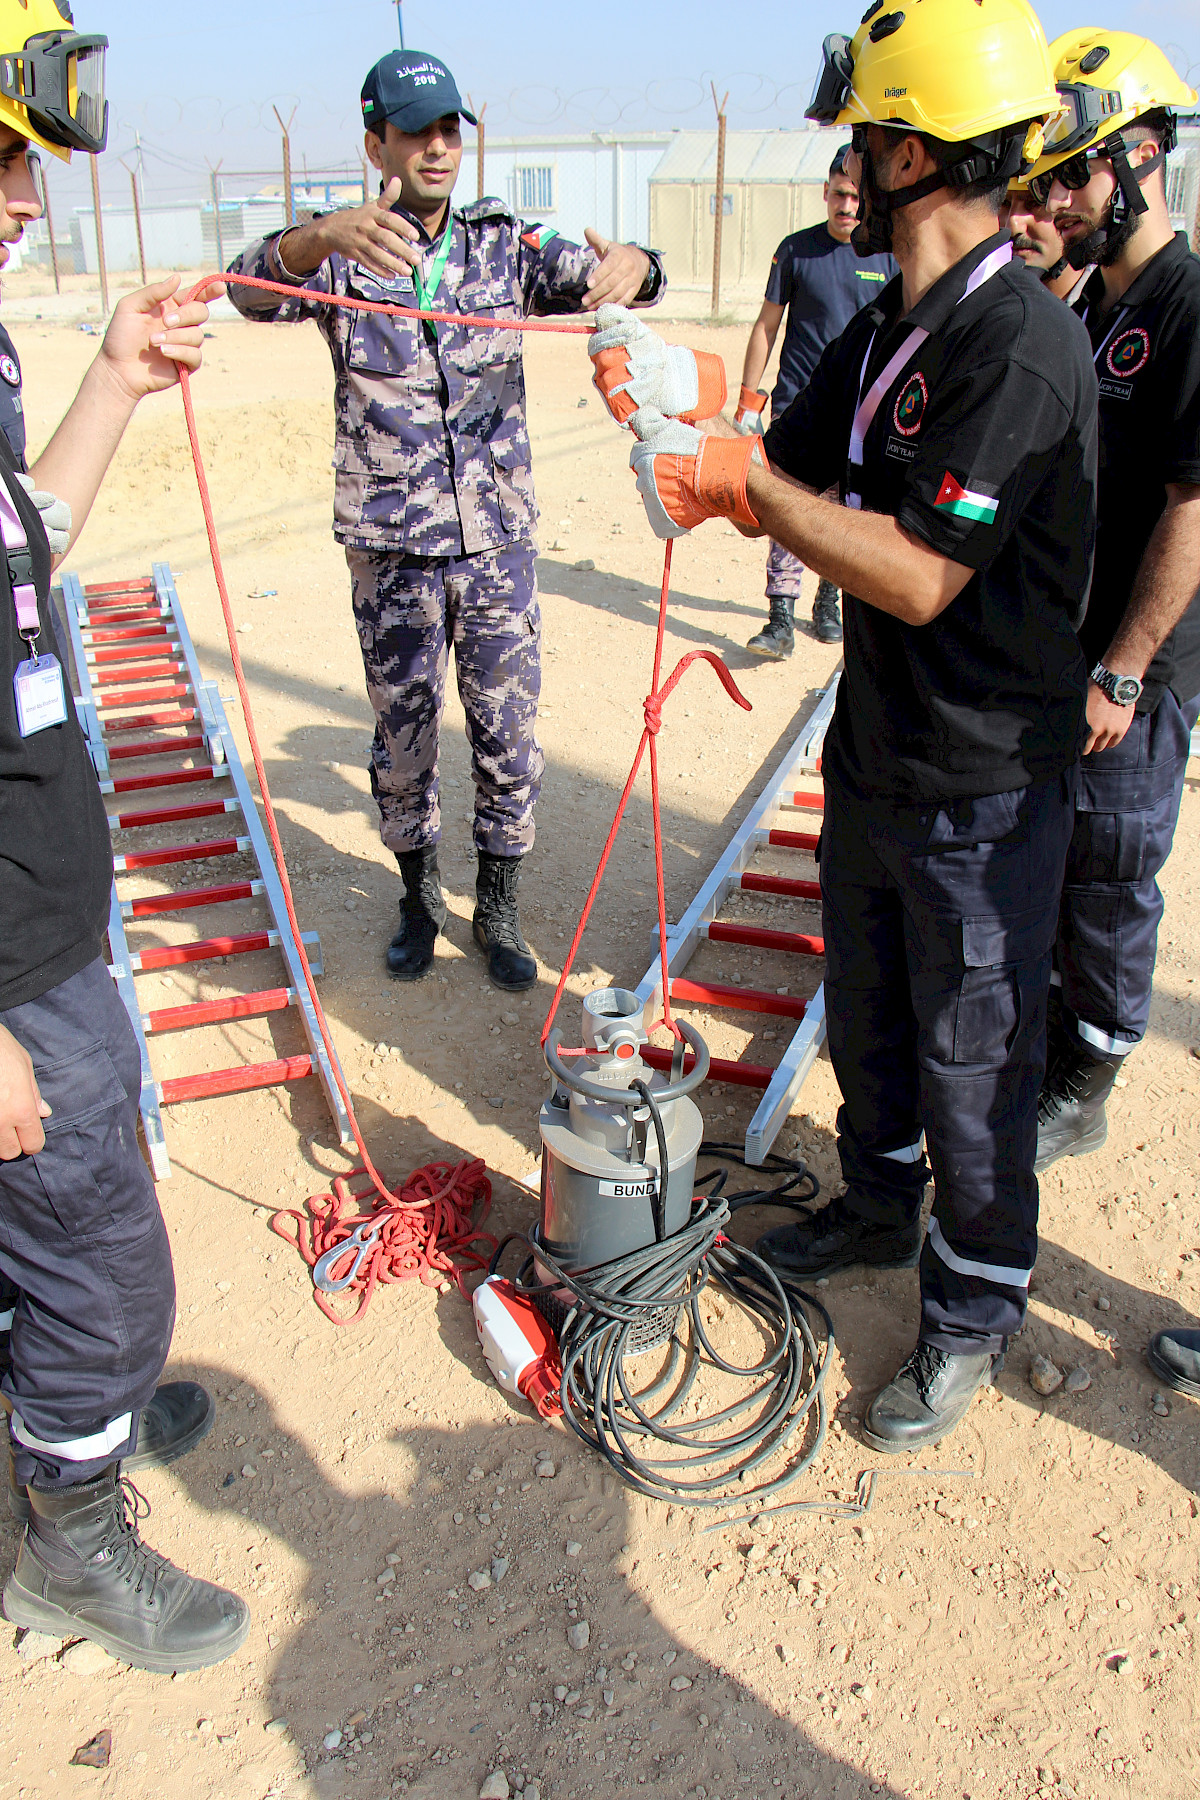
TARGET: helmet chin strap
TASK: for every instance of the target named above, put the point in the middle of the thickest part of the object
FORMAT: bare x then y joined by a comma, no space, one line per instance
872,236
1049,275
1125,208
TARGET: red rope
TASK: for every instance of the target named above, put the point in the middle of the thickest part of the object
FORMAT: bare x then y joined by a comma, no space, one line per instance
427,1230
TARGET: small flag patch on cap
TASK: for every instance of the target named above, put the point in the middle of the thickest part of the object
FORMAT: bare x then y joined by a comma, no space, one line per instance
966,502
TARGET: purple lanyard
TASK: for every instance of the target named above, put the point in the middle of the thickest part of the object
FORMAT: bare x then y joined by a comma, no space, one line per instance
12,530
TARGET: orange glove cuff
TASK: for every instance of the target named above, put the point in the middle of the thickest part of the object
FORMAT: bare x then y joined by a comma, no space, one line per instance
714,390
612,370
719,482
751,401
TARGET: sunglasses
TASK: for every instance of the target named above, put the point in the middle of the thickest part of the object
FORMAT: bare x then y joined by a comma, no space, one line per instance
1074,173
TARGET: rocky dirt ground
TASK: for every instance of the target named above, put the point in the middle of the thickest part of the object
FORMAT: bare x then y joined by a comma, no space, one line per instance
1016,1619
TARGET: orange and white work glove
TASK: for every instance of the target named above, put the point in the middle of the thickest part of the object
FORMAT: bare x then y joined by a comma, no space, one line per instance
635,367
685,476
748,419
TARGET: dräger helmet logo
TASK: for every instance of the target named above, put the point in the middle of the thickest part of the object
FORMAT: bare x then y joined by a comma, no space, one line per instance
1129,352
894,93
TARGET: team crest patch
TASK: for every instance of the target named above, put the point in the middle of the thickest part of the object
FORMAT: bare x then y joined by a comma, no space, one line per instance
1129,352
910,406
966,502
10,371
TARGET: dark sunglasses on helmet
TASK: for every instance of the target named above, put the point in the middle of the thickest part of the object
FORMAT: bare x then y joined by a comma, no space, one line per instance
1074,173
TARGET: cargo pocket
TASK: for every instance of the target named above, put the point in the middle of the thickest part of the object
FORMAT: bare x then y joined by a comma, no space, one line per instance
91,1170
514,485
1107,847
1000,958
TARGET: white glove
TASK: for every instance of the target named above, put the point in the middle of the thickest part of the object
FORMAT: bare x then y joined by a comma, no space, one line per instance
635,367
56,515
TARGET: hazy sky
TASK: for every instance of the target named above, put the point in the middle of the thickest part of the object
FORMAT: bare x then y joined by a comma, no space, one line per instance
203,89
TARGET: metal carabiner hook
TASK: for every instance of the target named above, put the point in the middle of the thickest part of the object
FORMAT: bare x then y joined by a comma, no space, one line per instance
360,1243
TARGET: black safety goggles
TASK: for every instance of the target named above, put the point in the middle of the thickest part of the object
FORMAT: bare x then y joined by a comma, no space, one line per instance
1074,172
832,88
59,79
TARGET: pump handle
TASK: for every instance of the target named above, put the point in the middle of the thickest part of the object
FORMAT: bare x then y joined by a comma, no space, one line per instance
592,1090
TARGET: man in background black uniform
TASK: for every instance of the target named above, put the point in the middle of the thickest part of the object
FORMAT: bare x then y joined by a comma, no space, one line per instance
82,1241
818,282
1102,184
1037,243
959,418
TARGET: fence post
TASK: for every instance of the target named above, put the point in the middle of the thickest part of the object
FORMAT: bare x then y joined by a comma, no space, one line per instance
50,229
137,221
719,208
289,200
216,200
95,161
480,178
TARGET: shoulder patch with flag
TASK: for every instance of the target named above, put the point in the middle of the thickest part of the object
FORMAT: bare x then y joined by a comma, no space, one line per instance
538,236
977,503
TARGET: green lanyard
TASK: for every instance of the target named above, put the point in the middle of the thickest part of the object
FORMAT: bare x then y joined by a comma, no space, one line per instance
426,294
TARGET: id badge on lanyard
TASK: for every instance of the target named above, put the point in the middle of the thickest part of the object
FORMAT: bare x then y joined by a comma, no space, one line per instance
38,685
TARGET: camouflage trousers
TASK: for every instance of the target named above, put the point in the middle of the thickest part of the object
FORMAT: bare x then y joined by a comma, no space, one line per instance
409,610
784,573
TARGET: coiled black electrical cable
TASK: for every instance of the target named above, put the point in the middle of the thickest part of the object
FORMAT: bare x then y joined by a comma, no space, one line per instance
706,1460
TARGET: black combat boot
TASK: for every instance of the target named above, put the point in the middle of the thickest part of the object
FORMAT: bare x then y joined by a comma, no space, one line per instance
777,639
926,1398
422,915
833,1237
1175,1358
497,927
83,1571
171,1424
1071,1118
827,620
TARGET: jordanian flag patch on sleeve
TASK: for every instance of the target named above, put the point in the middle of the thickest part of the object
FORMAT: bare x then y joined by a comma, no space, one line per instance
978,503
538,236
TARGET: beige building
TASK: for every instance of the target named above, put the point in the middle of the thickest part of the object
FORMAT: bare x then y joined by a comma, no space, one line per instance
773,185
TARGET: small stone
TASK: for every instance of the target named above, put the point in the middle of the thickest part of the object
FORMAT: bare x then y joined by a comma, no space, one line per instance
702,1721
389,1575
495,1786
249,1470
499,1567
1103,1303
573,1548
479,1579
204,1726
545,1470
331,1740
458,1518
586,1711
1121,1664
87,1659
1044,1376
579,1636
609,1696
679,1683
95,1754
1159,1406
669,1656
511,1018
496,1100
573,1698
356,1718
585,565
532,1791
560,1692
223,1287
1077,1382
276,1727
35,1646
393,1559
476,1474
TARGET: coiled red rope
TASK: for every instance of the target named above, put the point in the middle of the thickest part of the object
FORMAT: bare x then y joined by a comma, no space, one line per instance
429,1229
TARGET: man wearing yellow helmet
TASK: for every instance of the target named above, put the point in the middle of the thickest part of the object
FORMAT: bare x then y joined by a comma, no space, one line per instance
87,1292
957,415
1101,181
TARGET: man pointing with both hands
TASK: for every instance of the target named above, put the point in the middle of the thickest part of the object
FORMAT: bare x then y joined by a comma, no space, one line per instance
433,499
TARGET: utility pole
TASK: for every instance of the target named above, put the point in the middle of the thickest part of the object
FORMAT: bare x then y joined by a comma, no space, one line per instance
214,173
400,20
50,231
137,219
719,204
479,147
95,161
366,194
289,198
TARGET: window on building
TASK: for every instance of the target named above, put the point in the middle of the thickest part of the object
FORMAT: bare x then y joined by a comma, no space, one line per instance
726,206
1176,189
535,188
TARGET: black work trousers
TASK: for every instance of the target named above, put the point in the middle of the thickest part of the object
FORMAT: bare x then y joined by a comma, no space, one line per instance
83,1243
939,925
1126,810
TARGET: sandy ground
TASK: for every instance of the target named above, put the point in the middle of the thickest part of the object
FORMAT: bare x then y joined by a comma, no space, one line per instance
964,1638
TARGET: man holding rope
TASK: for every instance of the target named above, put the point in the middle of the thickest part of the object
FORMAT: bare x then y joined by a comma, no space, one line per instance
433,499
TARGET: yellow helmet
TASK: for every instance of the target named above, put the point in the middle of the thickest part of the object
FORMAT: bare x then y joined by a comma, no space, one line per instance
1106,80
51,78
959,70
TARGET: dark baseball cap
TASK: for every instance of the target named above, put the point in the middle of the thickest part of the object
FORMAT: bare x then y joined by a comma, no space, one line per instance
412,90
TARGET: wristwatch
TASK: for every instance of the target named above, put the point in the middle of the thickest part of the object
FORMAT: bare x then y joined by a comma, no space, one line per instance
1122,690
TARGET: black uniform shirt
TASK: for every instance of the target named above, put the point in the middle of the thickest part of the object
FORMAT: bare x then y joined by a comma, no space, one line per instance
822,283
55,847
984,447
12,409
1147,352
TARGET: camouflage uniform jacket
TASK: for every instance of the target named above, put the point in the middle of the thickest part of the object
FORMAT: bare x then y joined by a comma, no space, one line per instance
432,455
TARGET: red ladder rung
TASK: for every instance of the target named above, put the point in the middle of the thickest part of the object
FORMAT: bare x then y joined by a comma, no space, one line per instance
103,590
216,1012
171,815
137,784
758,1000
779,884
125,653
155,747
111,634
793,840
235,1081
142,615
151,672
755,1075
179,853
188,897
169,956
811,802
135,699
177,715
796,943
